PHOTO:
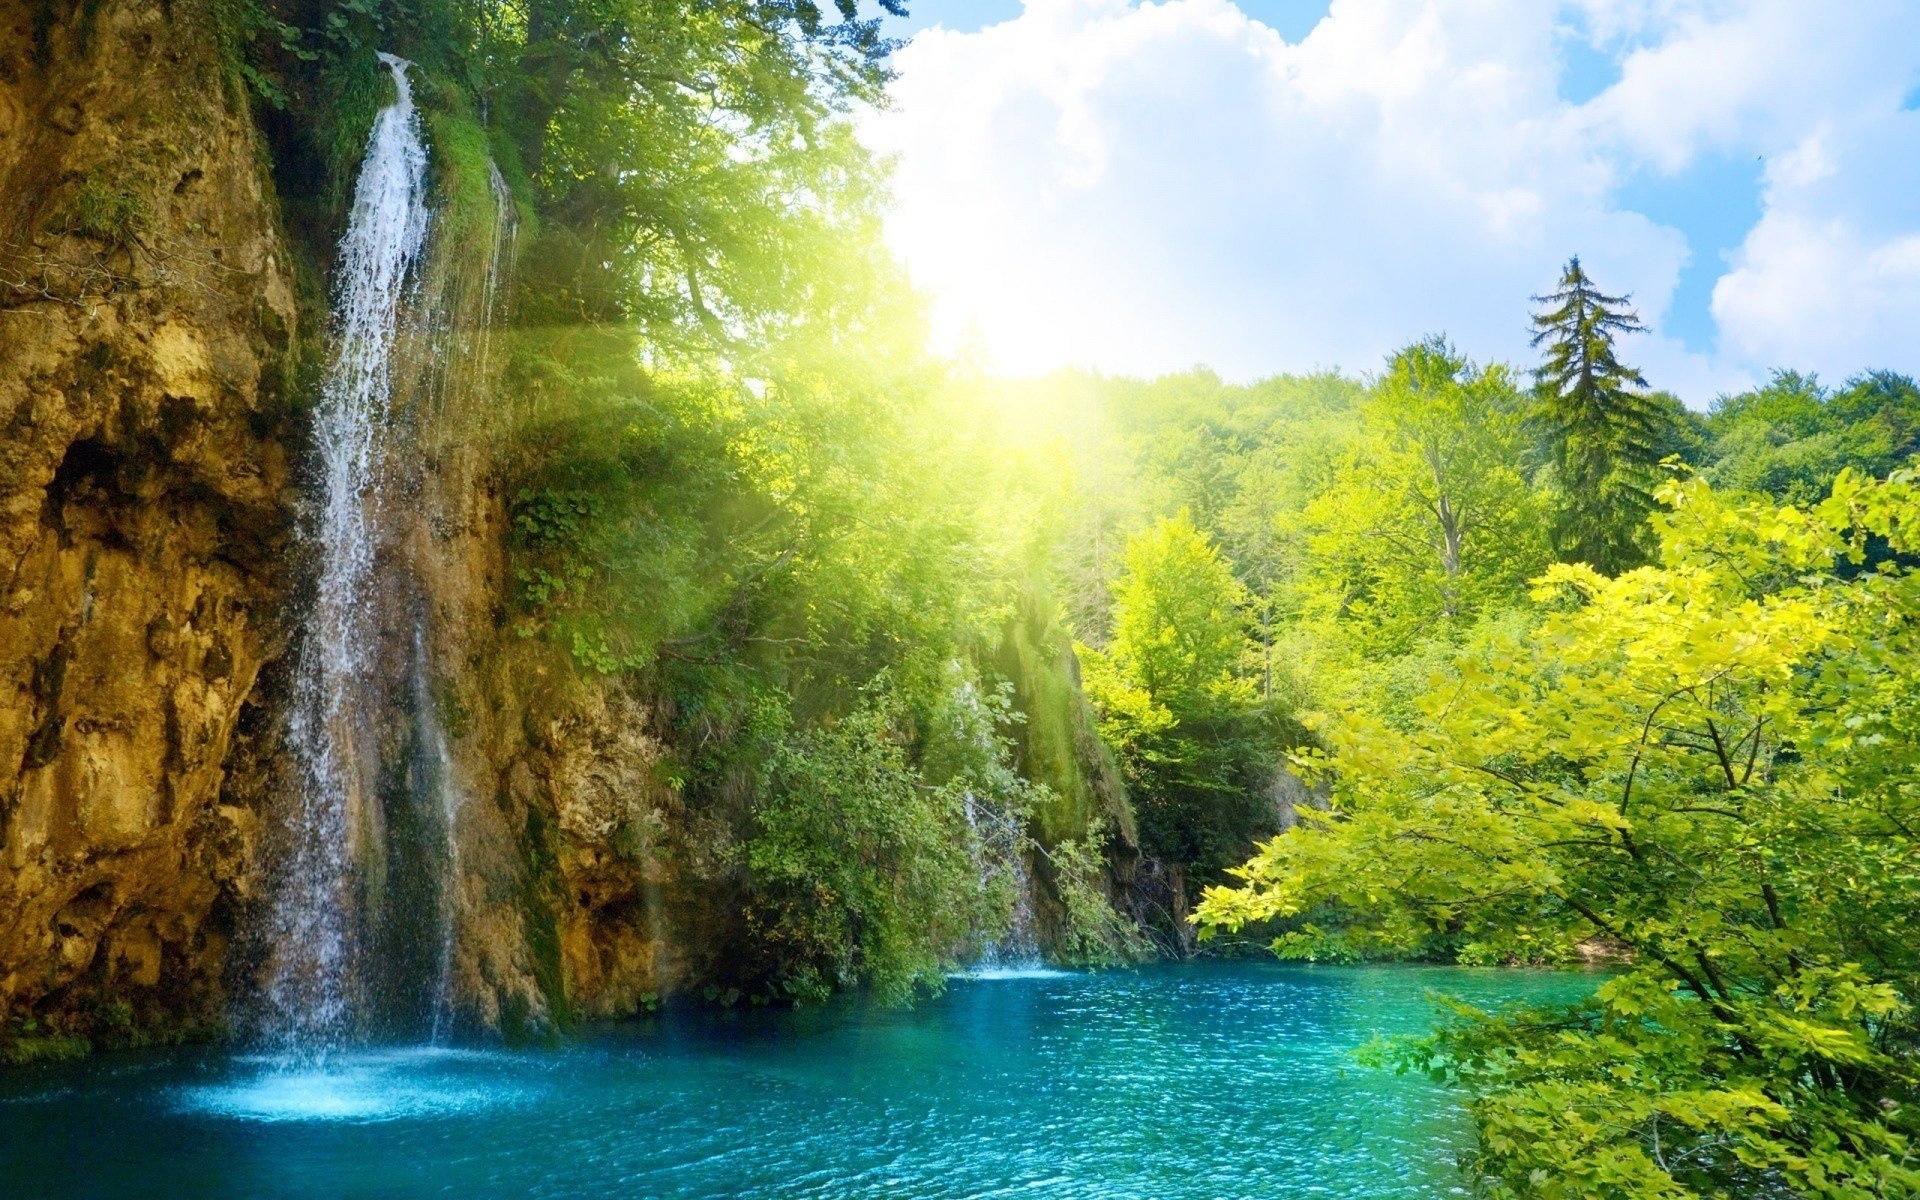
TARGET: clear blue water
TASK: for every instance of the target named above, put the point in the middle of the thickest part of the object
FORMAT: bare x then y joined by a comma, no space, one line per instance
1166,1083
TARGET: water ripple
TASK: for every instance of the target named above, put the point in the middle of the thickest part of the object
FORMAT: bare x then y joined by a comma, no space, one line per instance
1197,1083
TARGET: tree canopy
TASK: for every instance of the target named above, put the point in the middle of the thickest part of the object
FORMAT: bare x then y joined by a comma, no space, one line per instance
1603,428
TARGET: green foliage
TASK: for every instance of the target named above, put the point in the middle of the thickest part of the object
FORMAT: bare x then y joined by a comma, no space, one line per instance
1179,622
102,210
1093,933
536,897
1428,521
1678,762
1791,438
24,1042
465,220
102,1021
738,174
756,554
861,875
249,35
26,1051
1176,702
1604,430
1057,742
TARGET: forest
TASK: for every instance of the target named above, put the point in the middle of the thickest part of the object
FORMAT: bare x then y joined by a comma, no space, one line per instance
1432,660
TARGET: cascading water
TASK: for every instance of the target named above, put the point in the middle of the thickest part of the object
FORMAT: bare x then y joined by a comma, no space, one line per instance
312,981
505,229
435,770
464,294
999,842
1000,859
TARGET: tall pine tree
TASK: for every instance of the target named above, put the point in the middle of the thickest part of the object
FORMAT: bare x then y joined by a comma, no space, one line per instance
1603,427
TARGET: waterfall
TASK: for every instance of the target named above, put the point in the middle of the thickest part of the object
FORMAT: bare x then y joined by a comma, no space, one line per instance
466,296
312,985
435,770
997,839
506,228
1000,861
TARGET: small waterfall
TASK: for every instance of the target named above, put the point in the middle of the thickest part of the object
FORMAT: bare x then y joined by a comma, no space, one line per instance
434,774
464,298
998,839
493,297
312,985
1000,861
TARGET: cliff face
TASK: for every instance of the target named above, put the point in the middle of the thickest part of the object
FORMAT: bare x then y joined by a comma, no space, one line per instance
148,573
146,325
584,888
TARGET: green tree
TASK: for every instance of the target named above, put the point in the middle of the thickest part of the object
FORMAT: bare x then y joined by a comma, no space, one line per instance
1707,766
1604,430
1429,522
1178,617
1175,701
1791,437
859,872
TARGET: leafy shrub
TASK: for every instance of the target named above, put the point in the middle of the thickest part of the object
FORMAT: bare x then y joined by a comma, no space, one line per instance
1708,763
861,874
1093,933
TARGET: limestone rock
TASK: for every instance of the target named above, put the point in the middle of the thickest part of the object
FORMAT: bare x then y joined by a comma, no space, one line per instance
144,326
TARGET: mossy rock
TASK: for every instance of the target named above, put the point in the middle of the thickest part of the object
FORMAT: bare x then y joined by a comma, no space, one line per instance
103,210
44,1048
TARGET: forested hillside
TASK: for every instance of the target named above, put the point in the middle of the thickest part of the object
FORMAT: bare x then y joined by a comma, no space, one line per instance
1549,678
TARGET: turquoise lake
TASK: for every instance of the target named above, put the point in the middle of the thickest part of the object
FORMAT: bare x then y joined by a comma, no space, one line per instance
1165,1083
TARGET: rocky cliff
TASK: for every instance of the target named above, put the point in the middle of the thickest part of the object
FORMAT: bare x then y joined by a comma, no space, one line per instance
146,332
148,570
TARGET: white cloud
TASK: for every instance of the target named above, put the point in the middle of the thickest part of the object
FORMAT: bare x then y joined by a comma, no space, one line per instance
1822,293
1143,187
1830,276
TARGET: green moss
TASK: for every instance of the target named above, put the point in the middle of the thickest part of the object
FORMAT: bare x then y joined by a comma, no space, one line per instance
461,154
539,908
104,211
355,90
1058,744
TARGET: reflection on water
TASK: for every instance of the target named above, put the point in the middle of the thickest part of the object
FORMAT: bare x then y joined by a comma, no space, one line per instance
1167,1083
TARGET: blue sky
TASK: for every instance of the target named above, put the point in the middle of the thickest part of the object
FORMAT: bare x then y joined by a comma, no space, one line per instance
1282,184
1293,19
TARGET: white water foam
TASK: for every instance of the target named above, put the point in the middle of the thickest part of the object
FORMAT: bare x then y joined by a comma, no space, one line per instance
1016,972
363,1086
